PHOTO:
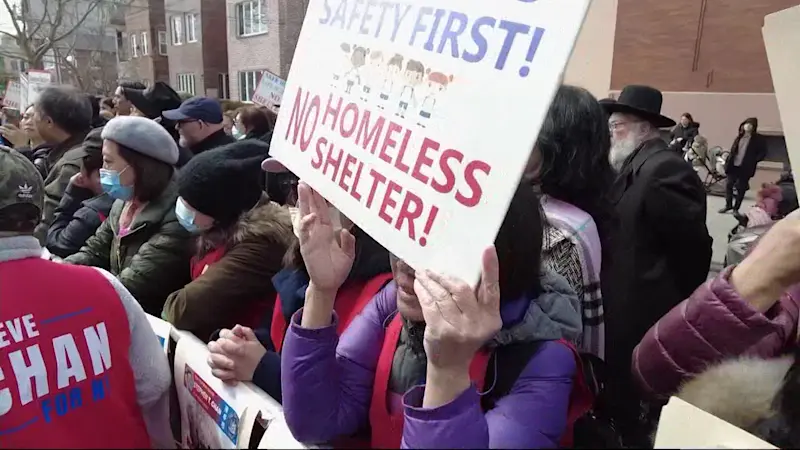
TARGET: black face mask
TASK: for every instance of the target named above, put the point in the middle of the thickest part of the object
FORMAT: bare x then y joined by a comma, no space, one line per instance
416,337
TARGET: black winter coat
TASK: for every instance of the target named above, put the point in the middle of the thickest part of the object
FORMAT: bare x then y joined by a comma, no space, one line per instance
77,217
661,249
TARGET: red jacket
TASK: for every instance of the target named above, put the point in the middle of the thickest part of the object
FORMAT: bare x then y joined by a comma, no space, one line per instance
350,300
65,377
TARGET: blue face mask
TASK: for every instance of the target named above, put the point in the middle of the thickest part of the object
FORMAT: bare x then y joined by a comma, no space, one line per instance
109,180
238,135
186,217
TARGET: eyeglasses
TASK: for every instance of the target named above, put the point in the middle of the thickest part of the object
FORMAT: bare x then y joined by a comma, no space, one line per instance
612,126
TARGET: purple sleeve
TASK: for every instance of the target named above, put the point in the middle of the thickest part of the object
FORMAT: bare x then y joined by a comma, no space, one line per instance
327,387
532,415
714,323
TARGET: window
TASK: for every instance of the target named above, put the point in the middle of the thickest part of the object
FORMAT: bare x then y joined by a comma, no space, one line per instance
145,43
251,17
134,47
162,42
248,81
224,85
191,28
177,30
186,83
122,49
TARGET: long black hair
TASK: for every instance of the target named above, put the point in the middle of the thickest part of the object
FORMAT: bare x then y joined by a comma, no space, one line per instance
575,143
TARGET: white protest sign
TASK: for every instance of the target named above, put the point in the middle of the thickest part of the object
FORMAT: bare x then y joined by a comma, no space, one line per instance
211,411
268,413
23,92
416,118
270,90
782,40
162,329
683,425
12,98
38,80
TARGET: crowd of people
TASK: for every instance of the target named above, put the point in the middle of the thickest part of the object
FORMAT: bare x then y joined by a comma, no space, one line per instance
592,308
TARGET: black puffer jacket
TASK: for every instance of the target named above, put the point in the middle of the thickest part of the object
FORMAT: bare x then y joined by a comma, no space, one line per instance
77,218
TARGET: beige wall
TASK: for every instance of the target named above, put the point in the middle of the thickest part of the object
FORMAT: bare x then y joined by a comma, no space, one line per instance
593,55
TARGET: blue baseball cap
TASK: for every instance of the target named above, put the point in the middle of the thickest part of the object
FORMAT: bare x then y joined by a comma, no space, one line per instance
196,108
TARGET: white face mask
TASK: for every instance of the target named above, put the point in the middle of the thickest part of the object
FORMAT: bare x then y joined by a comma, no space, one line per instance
335,215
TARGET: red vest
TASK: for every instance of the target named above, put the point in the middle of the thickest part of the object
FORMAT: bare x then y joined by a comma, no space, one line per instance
350,300
65,377
387,428
252,316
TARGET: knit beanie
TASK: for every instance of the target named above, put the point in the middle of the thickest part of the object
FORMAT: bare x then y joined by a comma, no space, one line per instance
142,135
224,182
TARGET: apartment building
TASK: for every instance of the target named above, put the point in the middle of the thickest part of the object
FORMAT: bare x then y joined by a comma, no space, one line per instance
197,46
262,35
145,39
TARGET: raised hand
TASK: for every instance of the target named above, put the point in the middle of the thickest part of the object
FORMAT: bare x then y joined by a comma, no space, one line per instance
458,322
328,260
17,137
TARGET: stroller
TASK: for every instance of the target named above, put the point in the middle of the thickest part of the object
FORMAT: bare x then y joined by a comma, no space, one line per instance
776,201
713,164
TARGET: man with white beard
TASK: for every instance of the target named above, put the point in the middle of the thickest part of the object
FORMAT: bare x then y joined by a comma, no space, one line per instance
661,248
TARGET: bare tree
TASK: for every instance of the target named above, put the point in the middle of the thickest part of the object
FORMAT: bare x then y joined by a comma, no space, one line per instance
38,33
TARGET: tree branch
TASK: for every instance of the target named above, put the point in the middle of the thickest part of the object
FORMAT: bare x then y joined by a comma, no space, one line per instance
12,13
89,10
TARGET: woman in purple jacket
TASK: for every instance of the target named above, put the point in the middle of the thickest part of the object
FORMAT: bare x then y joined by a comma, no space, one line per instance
409,377
747,310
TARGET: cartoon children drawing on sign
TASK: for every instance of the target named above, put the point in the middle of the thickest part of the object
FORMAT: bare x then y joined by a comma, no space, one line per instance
413,76
392,70
374,70
358,59
436,84
343,64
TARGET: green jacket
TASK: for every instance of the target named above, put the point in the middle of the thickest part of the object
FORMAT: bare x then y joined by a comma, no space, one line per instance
152,260
63,161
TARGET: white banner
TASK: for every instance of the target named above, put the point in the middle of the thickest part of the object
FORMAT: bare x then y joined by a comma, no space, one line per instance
417,122
38,80
162,329
23,93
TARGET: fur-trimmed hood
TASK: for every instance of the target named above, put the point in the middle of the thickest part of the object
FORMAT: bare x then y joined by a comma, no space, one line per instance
747,392
267,221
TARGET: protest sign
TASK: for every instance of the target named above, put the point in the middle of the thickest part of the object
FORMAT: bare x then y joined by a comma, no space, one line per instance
211,411
269,91
264,411
782,41
38,80
162,329
416,119
23,92
11,98
683,425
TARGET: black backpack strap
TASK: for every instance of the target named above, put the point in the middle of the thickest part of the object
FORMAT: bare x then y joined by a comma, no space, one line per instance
513,359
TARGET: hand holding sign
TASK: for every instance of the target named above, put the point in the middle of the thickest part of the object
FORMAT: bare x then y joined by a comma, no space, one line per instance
327,260
457,321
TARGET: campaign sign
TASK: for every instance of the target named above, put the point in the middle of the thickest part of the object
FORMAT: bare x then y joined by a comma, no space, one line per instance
11,98
219,411
270,89
416,119
211,411
161,328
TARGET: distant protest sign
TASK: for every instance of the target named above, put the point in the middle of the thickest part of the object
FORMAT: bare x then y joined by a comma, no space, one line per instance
269,91
782,41
11,97
416,119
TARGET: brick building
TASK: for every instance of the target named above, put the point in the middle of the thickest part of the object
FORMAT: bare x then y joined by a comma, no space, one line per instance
146,53
197,46
707,56
262,35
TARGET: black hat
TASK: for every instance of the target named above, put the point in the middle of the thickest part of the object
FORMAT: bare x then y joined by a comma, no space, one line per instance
154,100
641,101
224,182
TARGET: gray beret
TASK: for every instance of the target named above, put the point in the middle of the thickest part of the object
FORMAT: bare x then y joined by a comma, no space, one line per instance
142,135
